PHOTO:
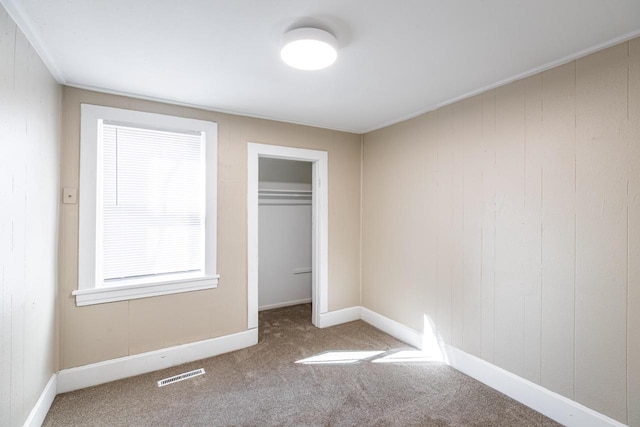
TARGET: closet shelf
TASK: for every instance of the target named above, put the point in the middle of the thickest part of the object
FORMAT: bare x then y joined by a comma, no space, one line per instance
274,191
268,196
284,194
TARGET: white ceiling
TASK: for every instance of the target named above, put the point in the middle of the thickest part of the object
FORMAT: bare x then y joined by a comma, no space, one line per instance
397,59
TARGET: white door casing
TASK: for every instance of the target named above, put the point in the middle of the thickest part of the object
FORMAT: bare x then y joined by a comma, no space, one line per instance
319,228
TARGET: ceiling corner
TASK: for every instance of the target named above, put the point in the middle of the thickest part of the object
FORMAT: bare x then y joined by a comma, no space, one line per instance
16,12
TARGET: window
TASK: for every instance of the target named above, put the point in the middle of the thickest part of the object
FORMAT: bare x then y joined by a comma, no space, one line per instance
147,205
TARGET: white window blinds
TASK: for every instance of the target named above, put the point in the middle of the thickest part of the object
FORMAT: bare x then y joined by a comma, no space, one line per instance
153,202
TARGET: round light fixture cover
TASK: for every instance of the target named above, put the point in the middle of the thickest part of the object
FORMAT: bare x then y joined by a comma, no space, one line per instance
309,49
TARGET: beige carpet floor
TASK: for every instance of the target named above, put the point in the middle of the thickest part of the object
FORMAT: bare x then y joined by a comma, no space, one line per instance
298,375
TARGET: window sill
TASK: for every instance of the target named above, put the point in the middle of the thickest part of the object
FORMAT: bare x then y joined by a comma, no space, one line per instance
144,290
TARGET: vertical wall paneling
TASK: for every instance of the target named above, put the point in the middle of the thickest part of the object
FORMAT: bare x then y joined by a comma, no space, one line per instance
471,306
396,254
427,133
601,230
29,177
19,211
444,237
7,42
536,223
558,229
409,241
488,227
459,147
371,246
532,257
633,259
510,152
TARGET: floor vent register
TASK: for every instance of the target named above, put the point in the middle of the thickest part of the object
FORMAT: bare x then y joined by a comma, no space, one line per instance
181,377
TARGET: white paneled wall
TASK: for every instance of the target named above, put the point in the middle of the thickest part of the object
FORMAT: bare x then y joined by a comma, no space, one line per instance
29,176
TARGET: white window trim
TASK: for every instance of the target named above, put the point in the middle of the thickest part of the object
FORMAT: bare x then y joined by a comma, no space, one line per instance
90,290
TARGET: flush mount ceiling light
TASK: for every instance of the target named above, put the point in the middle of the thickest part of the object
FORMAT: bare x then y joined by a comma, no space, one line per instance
309,49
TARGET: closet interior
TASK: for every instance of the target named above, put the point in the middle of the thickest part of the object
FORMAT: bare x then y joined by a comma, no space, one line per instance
284,233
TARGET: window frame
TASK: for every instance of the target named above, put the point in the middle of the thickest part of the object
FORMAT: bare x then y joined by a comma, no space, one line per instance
91,289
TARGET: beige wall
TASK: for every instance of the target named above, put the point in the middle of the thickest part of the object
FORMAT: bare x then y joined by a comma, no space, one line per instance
106,331
512,221
29,173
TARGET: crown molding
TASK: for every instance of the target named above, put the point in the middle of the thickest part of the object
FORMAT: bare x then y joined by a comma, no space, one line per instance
20,17
506,81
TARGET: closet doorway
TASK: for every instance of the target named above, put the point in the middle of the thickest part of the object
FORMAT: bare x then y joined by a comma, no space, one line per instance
283,194
284,233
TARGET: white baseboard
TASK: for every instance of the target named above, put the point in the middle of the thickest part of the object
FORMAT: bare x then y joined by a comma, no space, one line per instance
557,407
39,412
548,403
393,328
553,405
338,317
284,304
116,369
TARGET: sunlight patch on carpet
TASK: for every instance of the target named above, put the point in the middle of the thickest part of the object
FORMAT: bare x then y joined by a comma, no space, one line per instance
339,357
405,356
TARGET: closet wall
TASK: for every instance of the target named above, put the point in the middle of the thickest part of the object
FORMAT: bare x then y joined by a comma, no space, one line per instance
284,233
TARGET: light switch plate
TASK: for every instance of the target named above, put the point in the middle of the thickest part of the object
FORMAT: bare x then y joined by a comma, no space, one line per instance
69,195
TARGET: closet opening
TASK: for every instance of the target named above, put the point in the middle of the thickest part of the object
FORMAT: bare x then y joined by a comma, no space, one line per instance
287,230
284,232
